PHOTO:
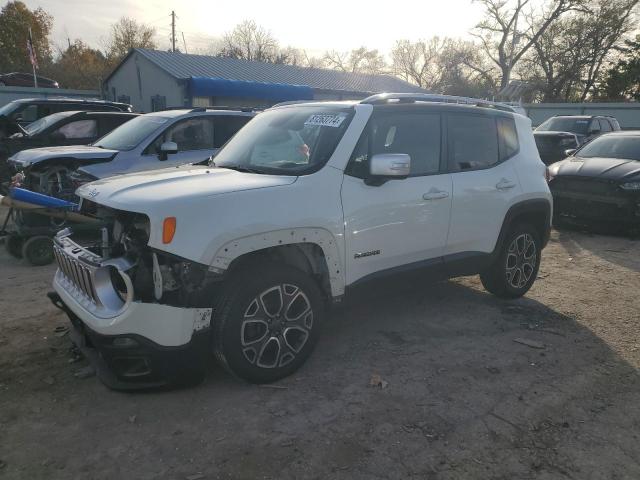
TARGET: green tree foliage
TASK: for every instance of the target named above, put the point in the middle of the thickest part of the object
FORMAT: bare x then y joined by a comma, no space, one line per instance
79,66
15,21
623,80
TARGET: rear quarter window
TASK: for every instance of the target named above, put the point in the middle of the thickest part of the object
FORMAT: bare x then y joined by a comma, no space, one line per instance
507,138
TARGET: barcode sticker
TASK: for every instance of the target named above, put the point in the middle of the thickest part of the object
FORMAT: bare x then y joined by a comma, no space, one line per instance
326,119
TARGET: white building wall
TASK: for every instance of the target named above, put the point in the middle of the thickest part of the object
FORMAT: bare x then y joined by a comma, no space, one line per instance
140,80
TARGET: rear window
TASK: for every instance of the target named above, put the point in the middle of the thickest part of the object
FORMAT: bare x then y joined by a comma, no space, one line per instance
565,124
473,142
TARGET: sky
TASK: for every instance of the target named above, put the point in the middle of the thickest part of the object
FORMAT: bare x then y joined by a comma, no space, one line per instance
315,26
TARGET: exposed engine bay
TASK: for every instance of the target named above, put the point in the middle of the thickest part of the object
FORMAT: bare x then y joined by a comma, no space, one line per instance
136,271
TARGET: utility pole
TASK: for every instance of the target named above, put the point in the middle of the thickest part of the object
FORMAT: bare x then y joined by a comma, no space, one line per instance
173,31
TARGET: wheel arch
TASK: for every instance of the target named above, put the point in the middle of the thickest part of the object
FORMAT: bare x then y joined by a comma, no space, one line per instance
312,250
535,212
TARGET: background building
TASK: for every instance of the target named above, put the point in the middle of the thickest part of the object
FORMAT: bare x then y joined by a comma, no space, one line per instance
152,80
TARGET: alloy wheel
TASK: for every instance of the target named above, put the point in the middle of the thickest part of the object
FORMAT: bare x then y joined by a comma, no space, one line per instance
276,326
521,260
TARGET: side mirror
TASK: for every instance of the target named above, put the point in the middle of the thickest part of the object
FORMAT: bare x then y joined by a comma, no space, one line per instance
168,148
570,152
385,166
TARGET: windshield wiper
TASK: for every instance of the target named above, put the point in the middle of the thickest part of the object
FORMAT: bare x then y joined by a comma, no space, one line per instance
238,168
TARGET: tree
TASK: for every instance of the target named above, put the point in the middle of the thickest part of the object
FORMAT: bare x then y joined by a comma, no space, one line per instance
443,66
249,41
15,21
507,32
125,35
567,60
623,80
79,66
359,60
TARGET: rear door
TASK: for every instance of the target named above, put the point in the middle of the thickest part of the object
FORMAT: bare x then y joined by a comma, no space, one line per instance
481,151
402,222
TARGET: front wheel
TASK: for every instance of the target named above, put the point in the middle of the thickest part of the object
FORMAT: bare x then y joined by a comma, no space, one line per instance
268,322
513,272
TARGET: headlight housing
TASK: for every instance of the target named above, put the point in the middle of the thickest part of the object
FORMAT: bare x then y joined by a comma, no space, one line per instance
631,186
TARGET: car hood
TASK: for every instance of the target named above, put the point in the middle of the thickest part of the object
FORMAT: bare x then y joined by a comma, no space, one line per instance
140,192
26,158
598,167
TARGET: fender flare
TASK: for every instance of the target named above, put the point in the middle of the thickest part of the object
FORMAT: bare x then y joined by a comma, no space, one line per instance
321,237
536,206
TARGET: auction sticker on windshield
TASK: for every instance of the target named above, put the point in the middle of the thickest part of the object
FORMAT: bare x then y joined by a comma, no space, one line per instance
326,119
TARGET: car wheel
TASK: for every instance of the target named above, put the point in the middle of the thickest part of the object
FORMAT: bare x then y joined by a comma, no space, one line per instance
13,244
267,323
516,267
38,250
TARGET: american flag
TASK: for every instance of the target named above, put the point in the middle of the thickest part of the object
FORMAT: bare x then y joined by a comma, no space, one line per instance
32,51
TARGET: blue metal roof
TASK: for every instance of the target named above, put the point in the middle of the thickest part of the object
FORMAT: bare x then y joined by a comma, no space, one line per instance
220,87
185,66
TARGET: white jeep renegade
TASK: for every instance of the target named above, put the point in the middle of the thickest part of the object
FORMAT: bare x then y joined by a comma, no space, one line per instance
243,257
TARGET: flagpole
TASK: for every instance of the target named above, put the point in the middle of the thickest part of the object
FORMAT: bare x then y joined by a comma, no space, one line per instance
32,56
35,78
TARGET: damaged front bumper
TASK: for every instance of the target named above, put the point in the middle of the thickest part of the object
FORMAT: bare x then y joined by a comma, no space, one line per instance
132,344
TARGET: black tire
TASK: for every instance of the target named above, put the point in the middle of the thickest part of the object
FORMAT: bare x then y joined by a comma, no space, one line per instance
246,329
515,269
38,250
13,244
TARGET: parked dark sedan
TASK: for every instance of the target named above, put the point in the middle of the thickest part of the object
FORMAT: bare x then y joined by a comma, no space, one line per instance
62,128
600,181
17,79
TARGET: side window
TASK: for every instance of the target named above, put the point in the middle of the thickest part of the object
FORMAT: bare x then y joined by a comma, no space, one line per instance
508,138
225,127
191,134
473,142
27,114
604,125
416,134
79,129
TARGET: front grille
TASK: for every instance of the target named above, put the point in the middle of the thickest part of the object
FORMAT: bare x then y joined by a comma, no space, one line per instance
585,186
79,274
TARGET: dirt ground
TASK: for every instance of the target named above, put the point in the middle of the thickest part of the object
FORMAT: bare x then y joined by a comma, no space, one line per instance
464,400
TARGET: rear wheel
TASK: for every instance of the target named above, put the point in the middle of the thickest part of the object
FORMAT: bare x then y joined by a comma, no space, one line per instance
268,322
38,250
516,267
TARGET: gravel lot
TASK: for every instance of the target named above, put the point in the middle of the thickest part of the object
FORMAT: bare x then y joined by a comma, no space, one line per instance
464,400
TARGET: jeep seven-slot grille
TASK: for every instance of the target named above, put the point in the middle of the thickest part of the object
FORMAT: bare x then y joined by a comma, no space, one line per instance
78,274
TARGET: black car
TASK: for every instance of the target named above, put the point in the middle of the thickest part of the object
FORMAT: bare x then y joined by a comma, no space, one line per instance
600,181
17,79
24,111
561,133
59,129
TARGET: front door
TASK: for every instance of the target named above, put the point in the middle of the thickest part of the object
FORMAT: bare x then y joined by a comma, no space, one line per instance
403,222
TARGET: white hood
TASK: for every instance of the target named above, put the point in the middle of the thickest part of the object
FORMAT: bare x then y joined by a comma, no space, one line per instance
144,191
26,158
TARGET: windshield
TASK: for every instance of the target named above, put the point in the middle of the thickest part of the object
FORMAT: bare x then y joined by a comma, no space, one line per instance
614,146
129,135
565,124
45,122
288,141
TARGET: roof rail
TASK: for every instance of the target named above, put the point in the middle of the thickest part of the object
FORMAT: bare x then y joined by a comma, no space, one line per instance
382,98
241,109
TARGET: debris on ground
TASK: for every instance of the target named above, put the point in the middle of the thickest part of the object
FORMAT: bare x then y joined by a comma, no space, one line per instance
60,331
49,380
529,343
85,372
197,476
377,381
132,418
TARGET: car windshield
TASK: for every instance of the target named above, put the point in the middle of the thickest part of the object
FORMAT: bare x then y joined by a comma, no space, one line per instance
288,141
129,135
565,124
614,146
39,126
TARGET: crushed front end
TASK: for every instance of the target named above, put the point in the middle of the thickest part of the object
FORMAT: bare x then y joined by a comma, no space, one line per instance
141,316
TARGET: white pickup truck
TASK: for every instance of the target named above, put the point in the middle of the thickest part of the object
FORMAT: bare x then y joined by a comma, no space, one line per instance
241,259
